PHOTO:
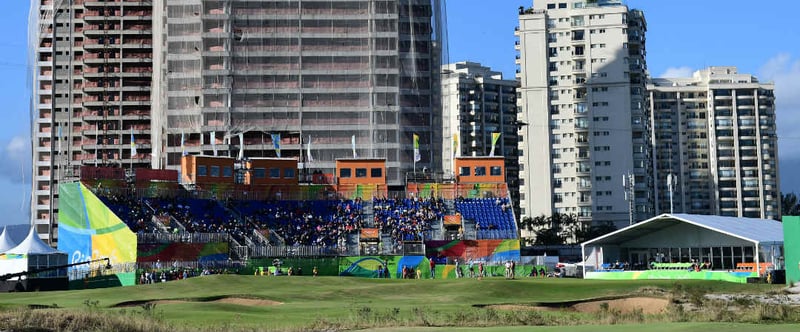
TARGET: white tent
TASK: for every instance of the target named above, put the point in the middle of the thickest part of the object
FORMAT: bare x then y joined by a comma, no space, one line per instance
32,254
724,241
5,241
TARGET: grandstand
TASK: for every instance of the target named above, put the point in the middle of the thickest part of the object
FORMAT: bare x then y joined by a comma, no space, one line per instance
350,213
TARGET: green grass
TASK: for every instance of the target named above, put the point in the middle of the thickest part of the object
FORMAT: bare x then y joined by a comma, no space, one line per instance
337,302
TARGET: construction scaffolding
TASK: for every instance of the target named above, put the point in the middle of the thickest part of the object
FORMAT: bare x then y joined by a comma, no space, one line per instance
91,73
351,78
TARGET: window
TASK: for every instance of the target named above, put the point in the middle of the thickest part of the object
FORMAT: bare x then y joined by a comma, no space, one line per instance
361,172
275,173
376,172
260,173
227,172
345,173
562,5
496,171
215,171
551,6
201,171
288,173
465,171
480,170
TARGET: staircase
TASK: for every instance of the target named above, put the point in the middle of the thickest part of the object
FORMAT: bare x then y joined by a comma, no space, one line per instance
469,229
387,244
368,214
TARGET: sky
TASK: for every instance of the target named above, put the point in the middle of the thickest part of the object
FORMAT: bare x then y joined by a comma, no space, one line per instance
760,38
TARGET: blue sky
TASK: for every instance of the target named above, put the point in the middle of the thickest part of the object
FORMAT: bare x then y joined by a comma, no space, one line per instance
761,38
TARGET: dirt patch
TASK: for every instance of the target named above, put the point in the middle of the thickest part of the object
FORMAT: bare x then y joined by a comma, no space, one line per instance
648,305
228,300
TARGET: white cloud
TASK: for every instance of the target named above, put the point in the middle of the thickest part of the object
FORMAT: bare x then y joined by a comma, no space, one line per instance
784,71
15,160
677,72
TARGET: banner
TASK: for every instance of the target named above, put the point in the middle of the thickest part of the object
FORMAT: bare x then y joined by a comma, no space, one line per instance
353,142
370,233
453,219
495,138
133,143
417,155
276,143
183,143
89,230
455,145
308,150
241,146
214,142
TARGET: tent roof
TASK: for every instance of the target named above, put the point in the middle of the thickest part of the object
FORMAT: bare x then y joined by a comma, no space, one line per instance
32,245
750,229
5,241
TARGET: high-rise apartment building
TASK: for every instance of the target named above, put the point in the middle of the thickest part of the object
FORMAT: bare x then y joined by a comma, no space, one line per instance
477,102
343,76
715,133
92,74
582,95
224,76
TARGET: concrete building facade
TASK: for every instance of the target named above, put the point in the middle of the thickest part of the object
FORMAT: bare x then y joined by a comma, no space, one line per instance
715,133
477,102
582,95
348,77
91,75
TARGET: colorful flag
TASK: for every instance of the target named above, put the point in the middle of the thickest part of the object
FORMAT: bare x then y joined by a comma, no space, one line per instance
353,142
133,144
183,144
276,143
308,150
241,146
214,142
417,155
455,145
495,138
59,140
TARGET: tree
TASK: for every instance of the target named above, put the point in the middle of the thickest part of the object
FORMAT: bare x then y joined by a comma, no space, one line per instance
789,205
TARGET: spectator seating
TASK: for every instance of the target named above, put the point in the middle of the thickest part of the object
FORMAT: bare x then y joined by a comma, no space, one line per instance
406,219
493,216
130,210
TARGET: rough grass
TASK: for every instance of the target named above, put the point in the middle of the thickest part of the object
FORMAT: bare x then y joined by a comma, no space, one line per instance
333,303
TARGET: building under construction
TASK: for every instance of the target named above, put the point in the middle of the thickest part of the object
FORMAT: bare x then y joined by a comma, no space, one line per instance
138,83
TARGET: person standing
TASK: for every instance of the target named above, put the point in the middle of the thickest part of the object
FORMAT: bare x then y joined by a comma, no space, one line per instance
480,270
471,269
458,270
513,269
433,268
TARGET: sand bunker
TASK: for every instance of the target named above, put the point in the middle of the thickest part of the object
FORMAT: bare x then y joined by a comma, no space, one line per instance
228,300
648,305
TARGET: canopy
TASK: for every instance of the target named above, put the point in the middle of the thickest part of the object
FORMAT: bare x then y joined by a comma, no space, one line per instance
32,245
752,230
5,241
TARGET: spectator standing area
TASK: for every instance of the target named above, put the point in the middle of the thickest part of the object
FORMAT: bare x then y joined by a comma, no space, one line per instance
686,246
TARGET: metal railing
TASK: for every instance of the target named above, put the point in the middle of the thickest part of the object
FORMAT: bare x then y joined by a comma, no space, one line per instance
182,237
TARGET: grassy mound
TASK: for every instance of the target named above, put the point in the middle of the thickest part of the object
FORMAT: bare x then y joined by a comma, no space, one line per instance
230,302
